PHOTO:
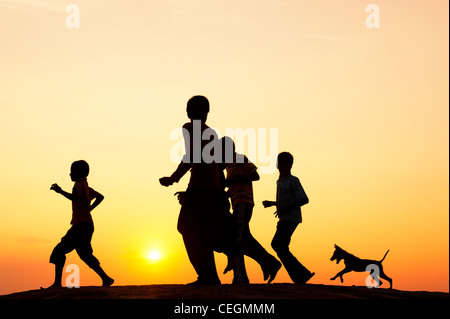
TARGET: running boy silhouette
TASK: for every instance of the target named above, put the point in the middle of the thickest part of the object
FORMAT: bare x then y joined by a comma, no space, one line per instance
80,234
202,204
240,175
290,197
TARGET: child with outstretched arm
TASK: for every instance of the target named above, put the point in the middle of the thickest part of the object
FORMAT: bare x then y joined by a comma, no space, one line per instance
79,235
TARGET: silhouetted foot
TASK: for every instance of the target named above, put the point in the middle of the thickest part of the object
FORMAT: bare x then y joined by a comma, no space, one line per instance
204,283
232,261
107,282
275,266
306,279
228,268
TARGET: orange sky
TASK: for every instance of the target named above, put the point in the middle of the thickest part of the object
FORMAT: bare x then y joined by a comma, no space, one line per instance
363,111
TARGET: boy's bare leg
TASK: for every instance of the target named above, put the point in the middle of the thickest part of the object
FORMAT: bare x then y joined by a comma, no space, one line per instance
58,275
107,281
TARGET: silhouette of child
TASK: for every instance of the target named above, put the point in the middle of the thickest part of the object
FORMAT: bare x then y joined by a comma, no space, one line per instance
203,204
290,197
240,175
80,234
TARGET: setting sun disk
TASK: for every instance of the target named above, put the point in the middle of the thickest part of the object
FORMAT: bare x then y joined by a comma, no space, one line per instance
154,255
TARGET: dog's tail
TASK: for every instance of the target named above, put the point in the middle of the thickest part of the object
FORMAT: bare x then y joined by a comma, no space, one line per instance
384,256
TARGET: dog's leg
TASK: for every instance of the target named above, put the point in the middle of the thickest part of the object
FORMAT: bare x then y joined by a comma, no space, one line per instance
339,274
383,275
377,280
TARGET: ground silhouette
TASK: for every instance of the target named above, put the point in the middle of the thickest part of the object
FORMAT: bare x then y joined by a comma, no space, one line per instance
251,291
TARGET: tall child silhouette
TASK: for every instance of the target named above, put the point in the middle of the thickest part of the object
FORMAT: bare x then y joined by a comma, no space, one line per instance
203,205
290,197
80,234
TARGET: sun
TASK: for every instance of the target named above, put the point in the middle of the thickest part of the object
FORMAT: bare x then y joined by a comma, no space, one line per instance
154,256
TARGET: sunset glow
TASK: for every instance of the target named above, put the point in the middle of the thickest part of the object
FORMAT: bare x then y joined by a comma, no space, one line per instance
154,256
364,111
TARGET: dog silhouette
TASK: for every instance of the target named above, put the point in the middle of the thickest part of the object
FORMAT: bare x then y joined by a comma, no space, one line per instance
353,263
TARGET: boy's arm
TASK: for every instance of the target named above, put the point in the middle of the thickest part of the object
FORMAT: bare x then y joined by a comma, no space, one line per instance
182,169
251,178
299,193
300,198
250,174
269,203
254,177
185,164
56,188
98,199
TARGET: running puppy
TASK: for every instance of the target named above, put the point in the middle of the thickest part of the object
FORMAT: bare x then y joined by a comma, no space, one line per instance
353,263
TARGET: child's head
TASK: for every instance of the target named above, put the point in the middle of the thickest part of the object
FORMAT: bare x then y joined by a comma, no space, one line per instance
79,170
198,108
228,149
284,162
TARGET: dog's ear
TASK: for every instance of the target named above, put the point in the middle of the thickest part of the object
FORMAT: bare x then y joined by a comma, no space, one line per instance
337,247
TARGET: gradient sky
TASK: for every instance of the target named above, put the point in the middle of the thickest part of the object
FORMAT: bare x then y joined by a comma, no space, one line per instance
365,112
